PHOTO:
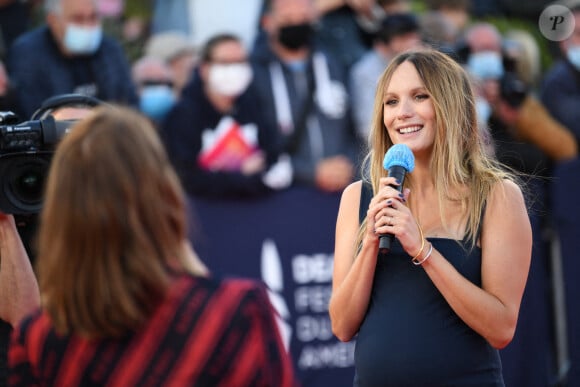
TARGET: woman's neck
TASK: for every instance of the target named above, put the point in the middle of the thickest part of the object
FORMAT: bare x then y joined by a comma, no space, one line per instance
423,179
438,219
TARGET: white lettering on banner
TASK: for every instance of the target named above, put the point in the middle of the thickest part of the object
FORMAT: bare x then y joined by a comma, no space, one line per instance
310,323
312,298
310,328
335,355
316,268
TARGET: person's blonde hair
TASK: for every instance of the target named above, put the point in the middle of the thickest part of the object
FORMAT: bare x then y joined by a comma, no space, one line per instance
462,170
112,228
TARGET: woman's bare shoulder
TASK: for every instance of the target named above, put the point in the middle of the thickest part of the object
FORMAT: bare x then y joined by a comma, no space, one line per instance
506,191
352,192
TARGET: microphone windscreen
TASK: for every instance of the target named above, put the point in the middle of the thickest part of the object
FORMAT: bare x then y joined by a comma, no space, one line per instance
400,155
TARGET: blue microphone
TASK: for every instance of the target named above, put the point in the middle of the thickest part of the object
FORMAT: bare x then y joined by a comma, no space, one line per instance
398,160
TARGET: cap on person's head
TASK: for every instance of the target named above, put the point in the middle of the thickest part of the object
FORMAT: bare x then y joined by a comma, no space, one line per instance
169,45
397,24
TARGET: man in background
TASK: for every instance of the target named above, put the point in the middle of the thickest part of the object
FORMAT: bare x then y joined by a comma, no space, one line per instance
304,92
69,54
154,81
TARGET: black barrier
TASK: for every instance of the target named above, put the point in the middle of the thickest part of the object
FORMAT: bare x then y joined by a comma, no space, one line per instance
287,241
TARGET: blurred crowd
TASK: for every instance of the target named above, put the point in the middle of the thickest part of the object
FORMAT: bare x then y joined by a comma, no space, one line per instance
254,96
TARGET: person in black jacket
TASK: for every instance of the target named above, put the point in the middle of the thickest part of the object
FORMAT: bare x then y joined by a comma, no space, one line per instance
69,54
217,136
303,89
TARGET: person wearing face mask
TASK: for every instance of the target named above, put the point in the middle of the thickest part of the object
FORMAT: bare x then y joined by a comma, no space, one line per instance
176,50
527,138
303,91
510,106
217,136
154,80
69,54
560,92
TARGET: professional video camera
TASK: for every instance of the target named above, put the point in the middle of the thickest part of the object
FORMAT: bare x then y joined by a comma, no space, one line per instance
25,152
513,89
26,149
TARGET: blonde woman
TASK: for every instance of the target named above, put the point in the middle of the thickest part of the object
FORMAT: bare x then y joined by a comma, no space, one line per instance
435,309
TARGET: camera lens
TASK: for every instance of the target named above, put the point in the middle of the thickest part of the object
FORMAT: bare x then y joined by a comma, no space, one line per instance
29,184
23,182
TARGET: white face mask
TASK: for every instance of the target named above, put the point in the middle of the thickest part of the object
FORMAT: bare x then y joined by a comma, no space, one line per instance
230,79
82,40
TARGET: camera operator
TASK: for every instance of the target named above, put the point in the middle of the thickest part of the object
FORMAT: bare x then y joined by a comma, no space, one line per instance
19,294
526,136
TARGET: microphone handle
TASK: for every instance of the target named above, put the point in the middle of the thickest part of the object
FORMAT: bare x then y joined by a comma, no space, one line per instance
386,240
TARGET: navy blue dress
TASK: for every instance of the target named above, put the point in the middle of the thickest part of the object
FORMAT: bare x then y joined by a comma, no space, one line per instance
410,335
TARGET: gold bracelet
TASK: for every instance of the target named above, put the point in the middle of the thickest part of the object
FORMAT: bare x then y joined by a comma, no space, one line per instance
417,263
422,242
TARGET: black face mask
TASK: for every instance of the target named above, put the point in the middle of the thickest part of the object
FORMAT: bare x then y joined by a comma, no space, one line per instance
296,36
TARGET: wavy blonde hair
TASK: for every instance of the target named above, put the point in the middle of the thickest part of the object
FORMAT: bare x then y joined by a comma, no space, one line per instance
112,228
462,170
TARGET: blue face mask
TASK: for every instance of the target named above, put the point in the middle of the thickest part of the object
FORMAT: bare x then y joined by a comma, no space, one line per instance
156,101
485,65
573,55
483,110
81,40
